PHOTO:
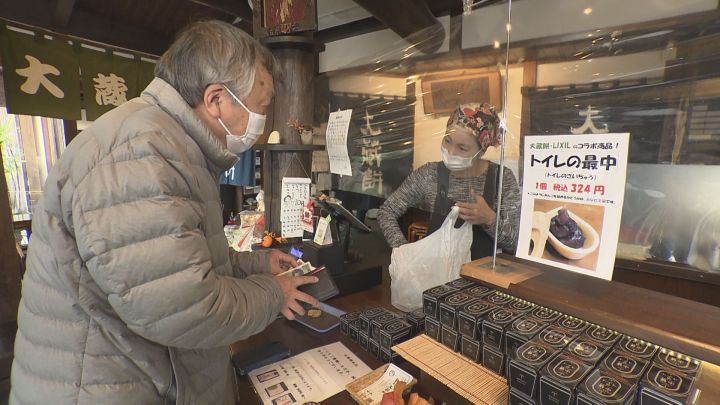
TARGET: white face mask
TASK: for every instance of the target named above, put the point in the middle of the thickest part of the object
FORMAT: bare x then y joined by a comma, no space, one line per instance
456,163
255,126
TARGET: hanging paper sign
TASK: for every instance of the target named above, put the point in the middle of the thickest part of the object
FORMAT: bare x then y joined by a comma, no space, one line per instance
336,140
41,75
573,191
294,193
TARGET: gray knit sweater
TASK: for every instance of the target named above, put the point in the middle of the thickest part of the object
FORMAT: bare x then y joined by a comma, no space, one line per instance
419,190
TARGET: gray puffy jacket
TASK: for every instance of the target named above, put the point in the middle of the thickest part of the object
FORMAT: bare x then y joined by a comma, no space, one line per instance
130,295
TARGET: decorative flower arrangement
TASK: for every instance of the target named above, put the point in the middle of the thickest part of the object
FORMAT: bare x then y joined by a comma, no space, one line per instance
305,131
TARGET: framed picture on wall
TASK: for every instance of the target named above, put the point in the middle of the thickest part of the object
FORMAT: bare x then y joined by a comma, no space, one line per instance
443,92
282,17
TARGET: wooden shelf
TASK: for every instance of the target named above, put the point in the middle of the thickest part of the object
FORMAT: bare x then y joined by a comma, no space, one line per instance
267,147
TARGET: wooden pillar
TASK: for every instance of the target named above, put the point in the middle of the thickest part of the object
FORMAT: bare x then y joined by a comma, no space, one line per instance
9,259
293,101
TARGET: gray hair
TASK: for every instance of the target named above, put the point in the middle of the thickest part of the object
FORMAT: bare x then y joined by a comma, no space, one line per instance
213,52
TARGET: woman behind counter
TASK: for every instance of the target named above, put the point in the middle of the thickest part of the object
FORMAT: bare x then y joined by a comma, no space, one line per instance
462,179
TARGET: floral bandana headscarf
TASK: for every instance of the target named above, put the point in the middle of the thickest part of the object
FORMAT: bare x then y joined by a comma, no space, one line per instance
482,120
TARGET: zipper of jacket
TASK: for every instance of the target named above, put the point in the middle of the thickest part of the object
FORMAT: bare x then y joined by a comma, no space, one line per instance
174,383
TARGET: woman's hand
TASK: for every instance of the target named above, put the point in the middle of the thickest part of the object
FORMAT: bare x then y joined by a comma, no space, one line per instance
478,212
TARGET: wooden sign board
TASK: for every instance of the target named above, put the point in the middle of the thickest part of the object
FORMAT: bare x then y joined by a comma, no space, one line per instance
443,92
506,272
283,17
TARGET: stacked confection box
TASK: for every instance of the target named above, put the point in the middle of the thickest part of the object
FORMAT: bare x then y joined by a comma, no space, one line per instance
377,330
553,358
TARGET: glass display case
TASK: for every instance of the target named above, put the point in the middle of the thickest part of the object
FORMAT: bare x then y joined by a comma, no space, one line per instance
554,67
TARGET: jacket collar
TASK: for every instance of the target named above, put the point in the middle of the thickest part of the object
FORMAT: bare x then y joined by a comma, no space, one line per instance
161,93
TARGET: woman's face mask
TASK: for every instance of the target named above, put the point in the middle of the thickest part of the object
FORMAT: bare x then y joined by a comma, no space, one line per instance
461,142
256,124
456,163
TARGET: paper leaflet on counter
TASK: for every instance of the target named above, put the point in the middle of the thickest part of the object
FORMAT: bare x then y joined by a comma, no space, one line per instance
323,235
314,375
373,393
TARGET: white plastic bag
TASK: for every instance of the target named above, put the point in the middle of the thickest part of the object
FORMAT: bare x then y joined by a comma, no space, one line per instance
431,261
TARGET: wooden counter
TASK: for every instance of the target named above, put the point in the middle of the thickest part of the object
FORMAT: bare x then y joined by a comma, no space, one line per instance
299,338
679,324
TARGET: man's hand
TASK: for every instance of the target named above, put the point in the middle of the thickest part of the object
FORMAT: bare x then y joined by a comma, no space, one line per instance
478,212
280,262
289,286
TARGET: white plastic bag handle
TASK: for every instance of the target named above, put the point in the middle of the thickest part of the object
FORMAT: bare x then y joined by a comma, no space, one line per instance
452,218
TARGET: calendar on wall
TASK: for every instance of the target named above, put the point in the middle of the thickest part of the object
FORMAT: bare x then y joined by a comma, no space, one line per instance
295,193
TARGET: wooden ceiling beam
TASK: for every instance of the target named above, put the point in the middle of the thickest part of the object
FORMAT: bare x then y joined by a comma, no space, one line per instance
237,8
85,26
410,19
63,12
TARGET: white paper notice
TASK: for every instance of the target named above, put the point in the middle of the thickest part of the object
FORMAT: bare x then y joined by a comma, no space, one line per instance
295,193
573,192
336,139
311,376
373,393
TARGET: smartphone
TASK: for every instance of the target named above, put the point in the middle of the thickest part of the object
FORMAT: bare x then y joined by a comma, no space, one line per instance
256,357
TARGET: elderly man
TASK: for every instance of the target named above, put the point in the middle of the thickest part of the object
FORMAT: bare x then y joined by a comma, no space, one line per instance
130,295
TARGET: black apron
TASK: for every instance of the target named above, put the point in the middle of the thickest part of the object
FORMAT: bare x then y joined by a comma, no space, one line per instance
482,243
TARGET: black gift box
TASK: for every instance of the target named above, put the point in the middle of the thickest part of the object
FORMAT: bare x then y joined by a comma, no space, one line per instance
560,377
624,365
637,348
521,306
516,398
555,336
525,365
604,388
493,360
353,331
450,338
497,298
470,318
389,356
587,350
374,348
520,331
377,323
664,386
363,340
545,314
449,307
602,335
393,333
678,361
416,319
574,325
494,325
347,318
432,297
367,316
460,283
478,291
432,328
471,348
